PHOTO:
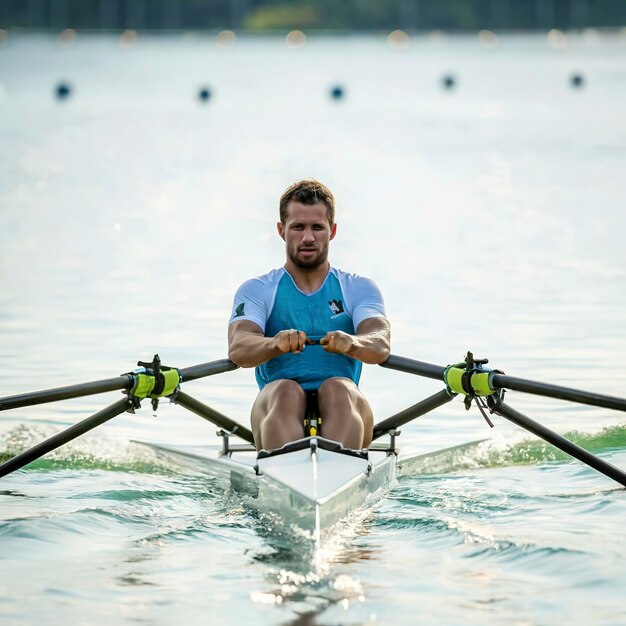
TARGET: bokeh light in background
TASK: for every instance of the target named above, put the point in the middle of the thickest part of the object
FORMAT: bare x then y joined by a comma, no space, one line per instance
398,40
66,38
557,38
225,39
128,38
488,39
295,39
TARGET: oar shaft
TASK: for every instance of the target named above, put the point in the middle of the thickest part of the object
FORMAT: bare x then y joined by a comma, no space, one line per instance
561,442
411,366
207,369
64,393
65,436
213,416
125,381
501,381
421,408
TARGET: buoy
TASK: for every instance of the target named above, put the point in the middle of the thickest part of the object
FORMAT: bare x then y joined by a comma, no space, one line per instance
577,81
63,91
337,92
448,81
204,95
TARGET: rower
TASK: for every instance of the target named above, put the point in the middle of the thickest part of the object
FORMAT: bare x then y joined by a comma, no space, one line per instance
308,326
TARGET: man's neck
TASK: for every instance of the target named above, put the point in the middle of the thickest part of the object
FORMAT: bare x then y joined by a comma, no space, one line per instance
308,281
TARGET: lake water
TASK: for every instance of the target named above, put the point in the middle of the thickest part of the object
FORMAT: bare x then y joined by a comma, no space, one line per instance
492,217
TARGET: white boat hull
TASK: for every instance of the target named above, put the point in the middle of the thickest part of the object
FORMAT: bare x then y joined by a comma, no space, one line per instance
312,487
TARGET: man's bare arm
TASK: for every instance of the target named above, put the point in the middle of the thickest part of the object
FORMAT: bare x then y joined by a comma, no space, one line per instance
248,347
371,344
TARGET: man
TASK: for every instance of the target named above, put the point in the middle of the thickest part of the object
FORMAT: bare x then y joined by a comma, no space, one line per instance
308,327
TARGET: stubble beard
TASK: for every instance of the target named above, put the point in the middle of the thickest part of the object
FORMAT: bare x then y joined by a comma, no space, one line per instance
309,264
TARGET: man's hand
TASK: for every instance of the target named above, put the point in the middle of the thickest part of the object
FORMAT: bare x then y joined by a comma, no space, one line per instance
371,344
290,341
248,346
339,342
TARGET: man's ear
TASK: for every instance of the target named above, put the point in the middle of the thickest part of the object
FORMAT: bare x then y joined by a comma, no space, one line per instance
281,230
333,231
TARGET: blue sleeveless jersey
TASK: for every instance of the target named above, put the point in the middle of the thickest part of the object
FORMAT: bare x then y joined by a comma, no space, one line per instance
275,303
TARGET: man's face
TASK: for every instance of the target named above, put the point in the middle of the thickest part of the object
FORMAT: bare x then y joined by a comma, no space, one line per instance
306,232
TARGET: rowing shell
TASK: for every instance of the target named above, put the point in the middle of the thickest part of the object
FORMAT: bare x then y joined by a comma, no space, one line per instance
310,483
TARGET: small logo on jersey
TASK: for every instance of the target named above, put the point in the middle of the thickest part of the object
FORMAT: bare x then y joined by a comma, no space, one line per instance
239,311
336,306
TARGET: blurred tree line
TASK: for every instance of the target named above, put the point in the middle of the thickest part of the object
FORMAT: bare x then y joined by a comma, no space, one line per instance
342,15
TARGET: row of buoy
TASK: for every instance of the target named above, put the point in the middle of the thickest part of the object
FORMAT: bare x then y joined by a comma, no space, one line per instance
396,39
63,90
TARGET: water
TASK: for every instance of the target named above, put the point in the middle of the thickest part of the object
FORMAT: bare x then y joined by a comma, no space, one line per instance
490,215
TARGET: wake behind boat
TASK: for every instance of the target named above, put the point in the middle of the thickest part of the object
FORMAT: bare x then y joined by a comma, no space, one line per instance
312,482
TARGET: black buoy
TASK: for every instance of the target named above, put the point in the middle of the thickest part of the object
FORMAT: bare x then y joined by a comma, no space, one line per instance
448,81
577,81
204,95
337,92
63,91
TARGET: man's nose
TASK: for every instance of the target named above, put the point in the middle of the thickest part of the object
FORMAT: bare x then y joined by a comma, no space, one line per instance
308,235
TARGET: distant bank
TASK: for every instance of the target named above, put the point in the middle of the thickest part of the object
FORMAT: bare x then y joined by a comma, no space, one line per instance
324,15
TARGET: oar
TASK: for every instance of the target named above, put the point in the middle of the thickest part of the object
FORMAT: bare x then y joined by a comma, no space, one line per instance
125,381
500,381
28,456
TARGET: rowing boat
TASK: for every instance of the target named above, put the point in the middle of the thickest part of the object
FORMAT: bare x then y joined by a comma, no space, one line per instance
310,483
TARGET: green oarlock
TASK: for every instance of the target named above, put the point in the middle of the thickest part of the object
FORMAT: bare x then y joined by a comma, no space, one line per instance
452,376
480,383
144,384
172,379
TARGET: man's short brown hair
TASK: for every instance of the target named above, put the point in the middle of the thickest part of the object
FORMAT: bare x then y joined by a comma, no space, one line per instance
308,191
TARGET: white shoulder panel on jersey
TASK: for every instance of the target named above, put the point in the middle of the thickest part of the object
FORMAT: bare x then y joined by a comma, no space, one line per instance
362,297
254,300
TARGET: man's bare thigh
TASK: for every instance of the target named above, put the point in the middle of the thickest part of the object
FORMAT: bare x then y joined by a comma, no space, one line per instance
277,410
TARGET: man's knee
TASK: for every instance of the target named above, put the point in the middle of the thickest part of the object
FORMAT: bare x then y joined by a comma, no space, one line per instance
286,391
277,413
336,388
